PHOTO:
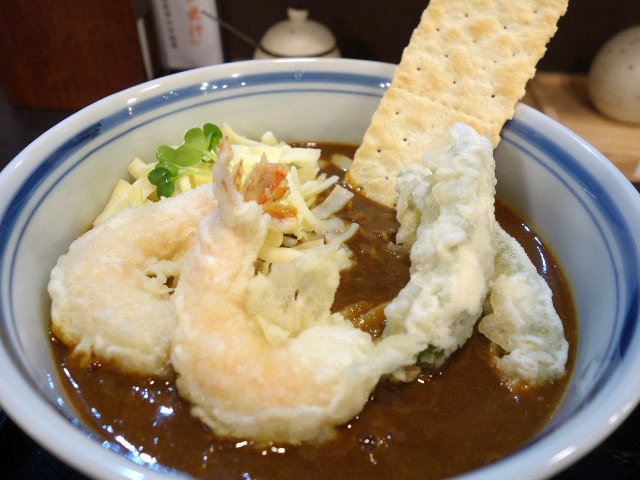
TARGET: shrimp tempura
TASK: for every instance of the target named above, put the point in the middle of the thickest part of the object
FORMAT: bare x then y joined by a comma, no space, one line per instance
262,357
108,293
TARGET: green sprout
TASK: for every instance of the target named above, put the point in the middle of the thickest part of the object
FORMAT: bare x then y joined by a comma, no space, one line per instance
199,146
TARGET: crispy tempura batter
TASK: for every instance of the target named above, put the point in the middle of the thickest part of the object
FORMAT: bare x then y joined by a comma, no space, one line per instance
446,213
459,252
109,297
522,319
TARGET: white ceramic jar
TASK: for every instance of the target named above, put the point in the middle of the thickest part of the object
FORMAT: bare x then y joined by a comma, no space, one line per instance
297,37
614,78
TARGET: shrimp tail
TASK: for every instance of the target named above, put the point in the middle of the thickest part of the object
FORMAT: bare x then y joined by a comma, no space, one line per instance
224,188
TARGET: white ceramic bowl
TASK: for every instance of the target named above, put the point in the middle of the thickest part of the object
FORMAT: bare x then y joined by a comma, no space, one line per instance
582,207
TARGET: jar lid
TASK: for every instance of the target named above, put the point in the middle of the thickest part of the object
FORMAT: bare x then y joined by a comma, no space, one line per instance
298,37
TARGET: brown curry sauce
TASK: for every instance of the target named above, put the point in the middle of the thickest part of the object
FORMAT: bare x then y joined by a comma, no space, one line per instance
437,426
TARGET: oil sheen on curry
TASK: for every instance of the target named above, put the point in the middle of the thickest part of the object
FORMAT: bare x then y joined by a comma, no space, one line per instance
445,422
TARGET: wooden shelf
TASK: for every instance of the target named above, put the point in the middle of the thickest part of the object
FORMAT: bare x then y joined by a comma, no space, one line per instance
565,98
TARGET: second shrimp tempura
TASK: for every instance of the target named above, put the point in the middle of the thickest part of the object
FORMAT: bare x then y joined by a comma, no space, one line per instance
108,293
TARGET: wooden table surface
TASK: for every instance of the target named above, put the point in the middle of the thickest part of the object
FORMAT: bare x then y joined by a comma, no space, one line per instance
565,99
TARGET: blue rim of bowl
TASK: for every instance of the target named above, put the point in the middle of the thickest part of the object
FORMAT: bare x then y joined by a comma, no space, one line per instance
602,201
614,220
607,207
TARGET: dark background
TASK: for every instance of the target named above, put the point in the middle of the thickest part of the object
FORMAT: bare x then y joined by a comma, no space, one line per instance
69,53
59,56
377,30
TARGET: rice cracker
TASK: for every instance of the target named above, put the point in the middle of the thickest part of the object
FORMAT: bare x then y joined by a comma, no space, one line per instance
467,61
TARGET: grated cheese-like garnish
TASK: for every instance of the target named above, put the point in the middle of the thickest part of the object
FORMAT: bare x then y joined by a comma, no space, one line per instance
313,226
272,254
335,202
342,237
296,198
